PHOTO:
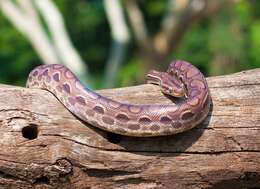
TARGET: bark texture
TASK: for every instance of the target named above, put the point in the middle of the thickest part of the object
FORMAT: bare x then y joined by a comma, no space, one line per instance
42,145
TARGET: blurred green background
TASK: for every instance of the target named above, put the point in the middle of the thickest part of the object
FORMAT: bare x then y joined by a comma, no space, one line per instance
218,43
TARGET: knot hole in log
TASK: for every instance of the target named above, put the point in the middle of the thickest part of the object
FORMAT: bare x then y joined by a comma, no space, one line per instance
30,132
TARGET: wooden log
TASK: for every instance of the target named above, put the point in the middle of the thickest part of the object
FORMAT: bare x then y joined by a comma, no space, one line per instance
42,145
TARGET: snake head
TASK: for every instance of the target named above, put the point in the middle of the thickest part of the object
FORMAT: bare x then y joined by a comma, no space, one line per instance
169,84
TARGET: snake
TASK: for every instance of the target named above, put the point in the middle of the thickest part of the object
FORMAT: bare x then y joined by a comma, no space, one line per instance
182,80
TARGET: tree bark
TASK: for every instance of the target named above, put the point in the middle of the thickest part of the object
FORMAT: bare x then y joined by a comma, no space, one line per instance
44,146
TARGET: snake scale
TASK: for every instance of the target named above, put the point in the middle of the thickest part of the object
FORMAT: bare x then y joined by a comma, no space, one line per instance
182,79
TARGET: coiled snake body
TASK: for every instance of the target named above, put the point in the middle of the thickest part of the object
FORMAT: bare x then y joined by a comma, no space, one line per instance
182,79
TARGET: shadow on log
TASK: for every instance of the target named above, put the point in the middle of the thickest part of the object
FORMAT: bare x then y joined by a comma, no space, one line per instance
44,146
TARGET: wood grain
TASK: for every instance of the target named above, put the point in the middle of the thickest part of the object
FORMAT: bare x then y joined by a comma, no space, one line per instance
44,146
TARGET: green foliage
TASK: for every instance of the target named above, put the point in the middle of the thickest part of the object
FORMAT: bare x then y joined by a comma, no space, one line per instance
255,44
153,12
87,25
129,73
16,54
194,47
222,39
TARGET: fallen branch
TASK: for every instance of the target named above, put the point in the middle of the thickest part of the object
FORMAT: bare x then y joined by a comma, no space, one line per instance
43,145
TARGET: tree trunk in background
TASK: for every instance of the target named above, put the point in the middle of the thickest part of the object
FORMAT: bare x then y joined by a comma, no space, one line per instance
157,50
54,47
44,146
226,56
222,64
120,37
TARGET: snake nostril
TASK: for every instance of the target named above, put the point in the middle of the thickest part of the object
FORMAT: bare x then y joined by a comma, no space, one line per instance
30,132
113,138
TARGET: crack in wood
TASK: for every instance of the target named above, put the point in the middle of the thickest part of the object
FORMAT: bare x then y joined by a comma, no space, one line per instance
8,176
103,173
151,152
139,180
236,142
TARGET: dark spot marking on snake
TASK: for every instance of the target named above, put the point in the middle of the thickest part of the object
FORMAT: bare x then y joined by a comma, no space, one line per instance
99,109
71,100
45,73
66,87
80,100
155,128
176,124
35,73
187,115
144,120
30,132
56,77
165,120
108,120
90,112
122,117
134,126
